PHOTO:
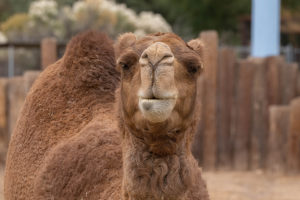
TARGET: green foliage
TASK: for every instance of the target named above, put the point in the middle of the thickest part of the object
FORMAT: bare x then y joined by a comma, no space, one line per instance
10,7
293,5
46,18
15,22
188,17
65,2
215,14
192,16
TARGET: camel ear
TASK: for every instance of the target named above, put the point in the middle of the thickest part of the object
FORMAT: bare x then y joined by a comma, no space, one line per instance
197,45
124,41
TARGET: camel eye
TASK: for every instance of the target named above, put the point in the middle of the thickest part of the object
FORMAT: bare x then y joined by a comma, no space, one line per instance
192,69
124,66
192,64
127,60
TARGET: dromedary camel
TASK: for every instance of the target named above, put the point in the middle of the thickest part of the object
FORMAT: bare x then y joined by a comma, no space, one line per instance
69,144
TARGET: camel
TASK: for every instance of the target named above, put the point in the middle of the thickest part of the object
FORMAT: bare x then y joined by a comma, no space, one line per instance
84,134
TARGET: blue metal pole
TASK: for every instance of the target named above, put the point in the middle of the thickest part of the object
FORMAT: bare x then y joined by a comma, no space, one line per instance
265,28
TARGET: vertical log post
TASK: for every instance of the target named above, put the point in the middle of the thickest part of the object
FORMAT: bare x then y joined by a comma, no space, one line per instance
298,84
277,142
4,136
243,115
273,65
259,130
48,52
210,40
16,97
29,78
225,94
293,156
288,82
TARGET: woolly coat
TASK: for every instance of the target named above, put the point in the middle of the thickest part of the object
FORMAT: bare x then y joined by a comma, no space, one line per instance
66,138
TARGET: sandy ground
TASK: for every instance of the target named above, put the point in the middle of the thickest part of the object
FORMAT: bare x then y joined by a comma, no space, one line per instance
242,186
252,186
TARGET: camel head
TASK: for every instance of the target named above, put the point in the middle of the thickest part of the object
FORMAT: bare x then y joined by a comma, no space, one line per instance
158,83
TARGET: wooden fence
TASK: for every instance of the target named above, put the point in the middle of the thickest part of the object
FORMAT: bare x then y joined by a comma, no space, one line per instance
13,90
250,116
49,51
12,96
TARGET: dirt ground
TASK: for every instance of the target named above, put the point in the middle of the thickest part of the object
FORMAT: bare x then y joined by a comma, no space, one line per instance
252,186
242,186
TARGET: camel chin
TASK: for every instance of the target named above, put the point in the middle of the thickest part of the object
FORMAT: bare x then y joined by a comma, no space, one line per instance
156,110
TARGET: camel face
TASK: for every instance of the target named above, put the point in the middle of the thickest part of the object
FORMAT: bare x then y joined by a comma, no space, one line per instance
159,74
157,93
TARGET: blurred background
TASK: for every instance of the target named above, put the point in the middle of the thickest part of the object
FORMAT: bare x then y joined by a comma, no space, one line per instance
23,23
248,139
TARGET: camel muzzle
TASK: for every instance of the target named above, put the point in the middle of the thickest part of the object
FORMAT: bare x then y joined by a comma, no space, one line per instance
157,94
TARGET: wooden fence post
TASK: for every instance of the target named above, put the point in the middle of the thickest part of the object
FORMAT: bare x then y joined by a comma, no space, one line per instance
4,136
298,84
259,129
16,97
243,115
48,52
277,141
225,95
293,156
210,40
29,78
273,63
288,82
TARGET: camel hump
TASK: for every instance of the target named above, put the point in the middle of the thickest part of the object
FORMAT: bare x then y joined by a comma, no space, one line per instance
89,60
90,46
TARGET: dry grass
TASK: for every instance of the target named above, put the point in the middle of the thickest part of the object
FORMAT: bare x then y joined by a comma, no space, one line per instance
242,186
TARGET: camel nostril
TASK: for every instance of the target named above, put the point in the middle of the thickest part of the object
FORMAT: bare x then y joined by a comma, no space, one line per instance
167,56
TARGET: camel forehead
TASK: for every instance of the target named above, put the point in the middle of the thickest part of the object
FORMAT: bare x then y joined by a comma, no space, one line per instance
176,44
181,51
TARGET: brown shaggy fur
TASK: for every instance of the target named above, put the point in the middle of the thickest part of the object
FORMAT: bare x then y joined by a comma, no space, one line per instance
66,138
67,143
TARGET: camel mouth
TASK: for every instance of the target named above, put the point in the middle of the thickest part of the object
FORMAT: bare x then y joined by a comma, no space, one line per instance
156,110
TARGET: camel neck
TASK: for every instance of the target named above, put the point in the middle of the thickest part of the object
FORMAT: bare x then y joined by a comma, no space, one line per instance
151,176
